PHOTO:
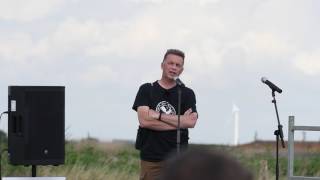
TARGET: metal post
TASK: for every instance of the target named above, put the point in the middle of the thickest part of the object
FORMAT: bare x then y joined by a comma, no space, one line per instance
34,171
291,129
290,146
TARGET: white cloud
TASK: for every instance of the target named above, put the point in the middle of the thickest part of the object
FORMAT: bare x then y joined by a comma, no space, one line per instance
100,73
227,44
264,43
94,38
20,48
15,47
199,2
147,1
206,36
206,57
308,63
148,30
262,49
25,11
74,36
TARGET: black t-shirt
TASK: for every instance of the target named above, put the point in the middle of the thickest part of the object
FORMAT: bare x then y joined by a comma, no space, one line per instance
156,145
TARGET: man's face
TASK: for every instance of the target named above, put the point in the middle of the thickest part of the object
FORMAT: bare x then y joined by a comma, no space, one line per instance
172,66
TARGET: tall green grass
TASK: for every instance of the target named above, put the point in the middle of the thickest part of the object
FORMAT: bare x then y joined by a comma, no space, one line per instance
93,160
87,160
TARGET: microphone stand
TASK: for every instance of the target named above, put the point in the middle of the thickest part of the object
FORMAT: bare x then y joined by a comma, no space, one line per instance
278,133
178,128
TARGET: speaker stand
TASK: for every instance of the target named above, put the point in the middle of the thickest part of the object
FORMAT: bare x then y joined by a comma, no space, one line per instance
34,171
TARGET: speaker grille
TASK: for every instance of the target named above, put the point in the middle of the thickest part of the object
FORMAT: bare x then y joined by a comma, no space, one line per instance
36,132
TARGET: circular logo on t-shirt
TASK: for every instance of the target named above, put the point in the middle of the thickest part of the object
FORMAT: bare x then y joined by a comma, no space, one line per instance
166,108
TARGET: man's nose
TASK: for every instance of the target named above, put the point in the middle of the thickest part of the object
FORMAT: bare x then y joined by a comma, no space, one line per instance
174,66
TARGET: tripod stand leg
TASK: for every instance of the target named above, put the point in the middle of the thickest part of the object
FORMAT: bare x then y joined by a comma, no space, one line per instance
34,170
276,133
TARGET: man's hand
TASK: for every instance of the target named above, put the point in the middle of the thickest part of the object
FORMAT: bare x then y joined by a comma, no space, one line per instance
148,119
188,112
153,114
191,115
188,119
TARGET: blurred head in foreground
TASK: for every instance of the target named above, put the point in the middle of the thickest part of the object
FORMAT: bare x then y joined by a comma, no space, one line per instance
204,165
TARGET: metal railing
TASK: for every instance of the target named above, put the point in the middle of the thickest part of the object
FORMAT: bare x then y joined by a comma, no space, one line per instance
291,129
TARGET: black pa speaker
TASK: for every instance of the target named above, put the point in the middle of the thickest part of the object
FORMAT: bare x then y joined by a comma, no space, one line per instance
36,116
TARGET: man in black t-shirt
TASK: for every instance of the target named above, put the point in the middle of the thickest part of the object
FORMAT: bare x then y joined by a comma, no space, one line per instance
157,105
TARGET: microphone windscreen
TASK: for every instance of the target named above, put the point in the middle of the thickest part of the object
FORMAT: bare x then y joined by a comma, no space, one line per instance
264,79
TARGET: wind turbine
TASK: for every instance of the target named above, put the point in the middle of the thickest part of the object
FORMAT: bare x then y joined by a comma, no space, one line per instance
235,114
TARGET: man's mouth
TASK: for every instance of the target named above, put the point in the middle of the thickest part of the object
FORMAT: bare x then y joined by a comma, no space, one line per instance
172,73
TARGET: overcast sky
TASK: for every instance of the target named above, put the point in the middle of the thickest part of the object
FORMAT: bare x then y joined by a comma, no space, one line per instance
103,50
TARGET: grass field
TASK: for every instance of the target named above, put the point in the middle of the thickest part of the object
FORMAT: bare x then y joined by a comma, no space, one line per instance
93,160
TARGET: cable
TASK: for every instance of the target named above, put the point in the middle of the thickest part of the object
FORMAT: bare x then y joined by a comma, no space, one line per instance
5,112
4,150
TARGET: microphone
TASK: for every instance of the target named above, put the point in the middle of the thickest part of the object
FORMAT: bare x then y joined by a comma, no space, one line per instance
179,82
271,85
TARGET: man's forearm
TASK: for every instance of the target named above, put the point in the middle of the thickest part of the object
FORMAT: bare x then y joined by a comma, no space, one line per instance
148,118
186,121
158,125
